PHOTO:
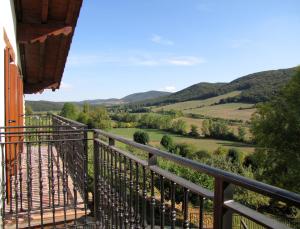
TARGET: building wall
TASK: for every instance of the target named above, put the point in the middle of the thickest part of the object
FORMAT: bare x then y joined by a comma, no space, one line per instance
7,24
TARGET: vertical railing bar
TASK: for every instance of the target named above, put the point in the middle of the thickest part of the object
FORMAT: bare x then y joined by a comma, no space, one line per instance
112,190
201,199
41,184
117,189
126,215
16,184
52,185
10,176
137,197
64,182
96,181
49,174
102,203
121,200
186,223
152,201
28,162
173,210
3,184
85,173
75,186
131,212
144,203
162,202
58,150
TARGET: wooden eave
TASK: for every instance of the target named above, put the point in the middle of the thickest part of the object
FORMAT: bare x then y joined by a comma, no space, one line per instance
44,33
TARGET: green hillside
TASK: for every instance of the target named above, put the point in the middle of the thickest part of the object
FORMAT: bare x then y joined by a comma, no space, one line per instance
256,87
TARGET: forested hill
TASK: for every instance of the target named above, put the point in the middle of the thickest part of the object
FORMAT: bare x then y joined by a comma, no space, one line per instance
256,87
144,95
55,106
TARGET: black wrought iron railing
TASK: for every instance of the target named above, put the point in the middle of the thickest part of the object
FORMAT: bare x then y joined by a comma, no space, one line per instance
44,174
56,172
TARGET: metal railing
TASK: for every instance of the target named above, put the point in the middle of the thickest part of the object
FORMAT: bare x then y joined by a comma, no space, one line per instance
129,191
44,174
133,192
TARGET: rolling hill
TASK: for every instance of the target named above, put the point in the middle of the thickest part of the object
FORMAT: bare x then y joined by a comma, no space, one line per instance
256,87
136,97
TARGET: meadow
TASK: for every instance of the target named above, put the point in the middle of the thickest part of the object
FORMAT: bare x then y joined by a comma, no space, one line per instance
199,144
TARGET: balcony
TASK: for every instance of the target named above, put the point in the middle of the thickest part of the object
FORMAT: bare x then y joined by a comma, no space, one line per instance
57,173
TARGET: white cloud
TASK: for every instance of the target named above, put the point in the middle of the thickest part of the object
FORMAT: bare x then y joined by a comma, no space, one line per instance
185,60
66,86
169,89
135,58
160,40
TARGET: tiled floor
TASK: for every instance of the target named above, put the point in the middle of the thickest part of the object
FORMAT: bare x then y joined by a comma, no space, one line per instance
60,208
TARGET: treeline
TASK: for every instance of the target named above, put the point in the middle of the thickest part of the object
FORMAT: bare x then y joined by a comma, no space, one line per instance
94,117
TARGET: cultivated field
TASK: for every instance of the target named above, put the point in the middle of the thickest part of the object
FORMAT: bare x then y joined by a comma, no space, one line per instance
189,105
232,111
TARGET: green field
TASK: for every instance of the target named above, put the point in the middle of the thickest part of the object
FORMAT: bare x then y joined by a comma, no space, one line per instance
188,105
199,144
232,111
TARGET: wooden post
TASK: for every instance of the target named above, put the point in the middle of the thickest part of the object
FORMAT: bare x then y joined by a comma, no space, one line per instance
222,216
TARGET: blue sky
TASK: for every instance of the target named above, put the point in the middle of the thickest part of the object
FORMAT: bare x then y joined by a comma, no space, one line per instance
126,46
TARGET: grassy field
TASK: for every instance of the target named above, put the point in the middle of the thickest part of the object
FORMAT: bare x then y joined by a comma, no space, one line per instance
199,144
182,106
231,111
206,107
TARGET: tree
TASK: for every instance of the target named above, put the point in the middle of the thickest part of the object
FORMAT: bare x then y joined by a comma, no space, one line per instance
179,126
69,110
276,130
99,118
167,142
141,137
194,131
28,110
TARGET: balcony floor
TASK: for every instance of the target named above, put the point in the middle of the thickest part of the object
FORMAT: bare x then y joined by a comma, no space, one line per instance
53,208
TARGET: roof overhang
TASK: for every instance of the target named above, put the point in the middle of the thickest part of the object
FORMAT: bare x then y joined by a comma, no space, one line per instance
44,32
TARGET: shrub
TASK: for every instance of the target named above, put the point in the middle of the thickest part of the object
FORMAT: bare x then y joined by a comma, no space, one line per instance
220,151
235,156
200,155
183,149
194,131
141,137
167,142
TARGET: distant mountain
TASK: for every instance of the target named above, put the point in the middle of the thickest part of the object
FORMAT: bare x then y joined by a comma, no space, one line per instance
136,97
144,95
256,87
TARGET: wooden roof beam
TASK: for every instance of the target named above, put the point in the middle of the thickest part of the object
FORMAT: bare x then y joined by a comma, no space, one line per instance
45,9
31,33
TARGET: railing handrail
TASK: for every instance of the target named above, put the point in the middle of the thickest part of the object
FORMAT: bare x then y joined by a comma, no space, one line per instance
69,120
256,186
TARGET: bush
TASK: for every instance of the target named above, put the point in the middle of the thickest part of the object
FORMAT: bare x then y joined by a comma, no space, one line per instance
221,151
235,156
141,137
183,149
194,131
200,155
167,142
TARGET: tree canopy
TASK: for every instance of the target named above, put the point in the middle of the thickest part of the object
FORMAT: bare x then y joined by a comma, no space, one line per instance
276,130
